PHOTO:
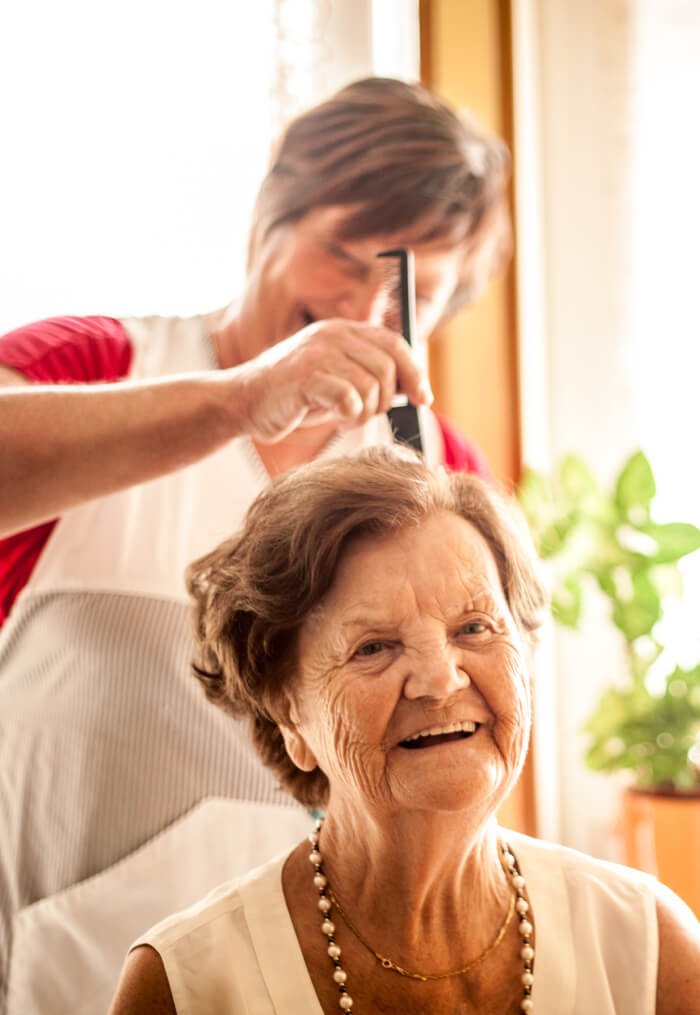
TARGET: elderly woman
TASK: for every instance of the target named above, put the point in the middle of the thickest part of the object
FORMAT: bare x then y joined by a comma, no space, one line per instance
374,620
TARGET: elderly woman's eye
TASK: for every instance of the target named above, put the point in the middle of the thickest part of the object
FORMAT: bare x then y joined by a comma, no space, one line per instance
473,627
371,648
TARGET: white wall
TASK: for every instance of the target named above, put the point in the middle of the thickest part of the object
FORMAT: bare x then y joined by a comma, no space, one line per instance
134,136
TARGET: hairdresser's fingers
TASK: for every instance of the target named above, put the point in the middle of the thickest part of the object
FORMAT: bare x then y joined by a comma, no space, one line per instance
273,399
410,377
367,357
332,397
379,364
350,395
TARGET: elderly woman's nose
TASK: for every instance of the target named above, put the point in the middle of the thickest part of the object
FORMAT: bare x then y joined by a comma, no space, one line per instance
437,674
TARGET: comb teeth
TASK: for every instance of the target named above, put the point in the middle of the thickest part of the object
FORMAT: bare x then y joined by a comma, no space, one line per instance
399,291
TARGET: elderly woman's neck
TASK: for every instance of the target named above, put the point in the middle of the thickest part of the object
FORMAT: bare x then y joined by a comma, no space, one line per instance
424,870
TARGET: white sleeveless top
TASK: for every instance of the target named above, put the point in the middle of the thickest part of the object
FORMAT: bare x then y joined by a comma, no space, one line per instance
596,949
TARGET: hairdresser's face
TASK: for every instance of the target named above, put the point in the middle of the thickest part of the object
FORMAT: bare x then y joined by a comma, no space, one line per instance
305,272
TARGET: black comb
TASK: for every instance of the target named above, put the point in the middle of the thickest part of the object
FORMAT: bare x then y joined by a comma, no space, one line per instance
399,315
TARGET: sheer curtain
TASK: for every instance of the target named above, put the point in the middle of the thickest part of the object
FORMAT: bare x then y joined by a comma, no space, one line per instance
608,162
134,136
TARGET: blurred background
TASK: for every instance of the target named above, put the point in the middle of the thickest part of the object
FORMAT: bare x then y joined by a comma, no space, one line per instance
134,136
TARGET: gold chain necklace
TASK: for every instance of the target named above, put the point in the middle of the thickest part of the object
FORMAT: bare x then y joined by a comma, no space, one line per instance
326,901
390,964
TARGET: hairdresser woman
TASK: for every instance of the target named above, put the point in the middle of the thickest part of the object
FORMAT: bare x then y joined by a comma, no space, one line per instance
374,621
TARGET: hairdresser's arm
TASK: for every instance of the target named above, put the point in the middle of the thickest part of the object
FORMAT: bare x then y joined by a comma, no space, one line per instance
678,982
65,444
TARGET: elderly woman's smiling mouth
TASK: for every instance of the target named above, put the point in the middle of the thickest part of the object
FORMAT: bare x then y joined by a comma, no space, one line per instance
447,733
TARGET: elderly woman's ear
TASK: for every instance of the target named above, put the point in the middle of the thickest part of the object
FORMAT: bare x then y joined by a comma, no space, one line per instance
297,748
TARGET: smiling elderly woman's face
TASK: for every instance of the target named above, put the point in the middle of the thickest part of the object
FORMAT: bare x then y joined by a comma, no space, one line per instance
411,689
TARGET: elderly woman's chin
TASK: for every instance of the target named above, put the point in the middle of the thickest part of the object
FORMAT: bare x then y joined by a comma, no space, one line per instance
467,778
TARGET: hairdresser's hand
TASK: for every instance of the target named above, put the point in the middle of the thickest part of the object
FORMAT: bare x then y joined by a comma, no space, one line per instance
332,371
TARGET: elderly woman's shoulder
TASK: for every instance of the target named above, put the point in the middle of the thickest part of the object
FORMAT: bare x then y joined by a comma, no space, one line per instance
584,897
198,958
576,867
219,907
621,910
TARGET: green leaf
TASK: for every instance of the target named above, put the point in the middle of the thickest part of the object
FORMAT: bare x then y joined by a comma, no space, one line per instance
674,540
576,479
608,555
637,616
639,662
554,538
605,581
635,487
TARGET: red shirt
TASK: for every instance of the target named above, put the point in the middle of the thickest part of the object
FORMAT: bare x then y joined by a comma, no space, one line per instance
461,454
59,350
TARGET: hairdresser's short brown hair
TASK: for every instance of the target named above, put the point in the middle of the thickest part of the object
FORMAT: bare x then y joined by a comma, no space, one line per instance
398,158
255,591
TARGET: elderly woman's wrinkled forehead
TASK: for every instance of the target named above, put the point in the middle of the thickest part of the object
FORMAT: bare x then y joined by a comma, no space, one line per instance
373,569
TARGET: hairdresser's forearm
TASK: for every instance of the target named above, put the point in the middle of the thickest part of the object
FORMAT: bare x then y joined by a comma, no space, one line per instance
62,445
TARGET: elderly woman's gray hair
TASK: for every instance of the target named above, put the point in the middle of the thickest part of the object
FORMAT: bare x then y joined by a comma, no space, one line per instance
254,592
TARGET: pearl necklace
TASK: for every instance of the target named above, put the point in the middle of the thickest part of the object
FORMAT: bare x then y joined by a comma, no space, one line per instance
327,900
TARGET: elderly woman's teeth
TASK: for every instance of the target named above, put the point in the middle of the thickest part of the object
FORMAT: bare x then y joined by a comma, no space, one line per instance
440,731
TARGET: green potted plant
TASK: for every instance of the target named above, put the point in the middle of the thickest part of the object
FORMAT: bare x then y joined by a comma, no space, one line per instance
648,724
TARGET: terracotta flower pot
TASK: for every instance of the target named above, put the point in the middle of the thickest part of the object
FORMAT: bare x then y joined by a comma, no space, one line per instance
661,835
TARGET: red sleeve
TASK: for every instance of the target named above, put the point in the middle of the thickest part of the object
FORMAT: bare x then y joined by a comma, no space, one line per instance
64,349
58,350
462,454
